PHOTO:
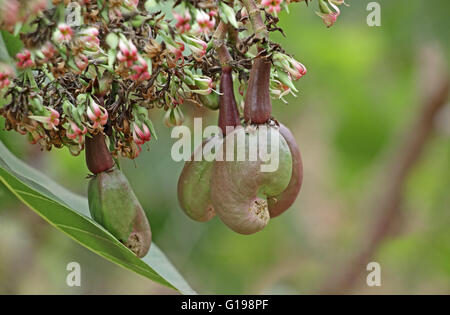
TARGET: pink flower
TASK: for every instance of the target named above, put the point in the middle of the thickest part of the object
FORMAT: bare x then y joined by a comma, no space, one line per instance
141,71
298,69
330,17
183,21
48,50
25,60
75,133
9,13
5,76
89,37
205,22
50,122
81,62
132,4
177,51
4,80
272,6
128,53
64,33
290,65
97,114
141,136
197,46
204,85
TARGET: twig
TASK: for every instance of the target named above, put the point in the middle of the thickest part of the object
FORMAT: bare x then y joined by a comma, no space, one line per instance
220,46
390,202
254,15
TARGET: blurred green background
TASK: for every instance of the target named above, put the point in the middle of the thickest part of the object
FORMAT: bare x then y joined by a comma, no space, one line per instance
363,89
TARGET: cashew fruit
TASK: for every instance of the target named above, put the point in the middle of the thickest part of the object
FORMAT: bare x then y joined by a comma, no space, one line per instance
281,202
240,190
194,187
194,182
113,204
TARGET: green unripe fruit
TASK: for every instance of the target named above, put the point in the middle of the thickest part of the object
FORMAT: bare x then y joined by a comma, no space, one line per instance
210,101
114,205
194,187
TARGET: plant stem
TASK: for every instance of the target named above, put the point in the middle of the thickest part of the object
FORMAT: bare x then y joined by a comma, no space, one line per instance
254,15
220,46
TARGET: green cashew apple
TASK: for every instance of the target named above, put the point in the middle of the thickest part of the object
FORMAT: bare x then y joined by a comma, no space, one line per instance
113,205
194,187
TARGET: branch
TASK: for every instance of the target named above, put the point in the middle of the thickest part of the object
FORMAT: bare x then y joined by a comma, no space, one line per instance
254,15
220,46
390,202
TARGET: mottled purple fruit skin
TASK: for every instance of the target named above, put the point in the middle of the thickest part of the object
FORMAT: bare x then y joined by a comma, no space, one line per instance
239,189
280,203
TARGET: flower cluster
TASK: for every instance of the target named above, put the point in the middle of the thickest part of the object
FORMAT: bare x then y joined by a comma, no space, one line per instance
120,59
18,11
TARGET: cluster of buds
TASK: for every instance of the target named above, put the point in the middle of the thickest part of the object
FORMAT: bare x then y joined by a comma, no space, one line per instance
6,73
13,12
204,22
272,6
329,15
105,75
290,65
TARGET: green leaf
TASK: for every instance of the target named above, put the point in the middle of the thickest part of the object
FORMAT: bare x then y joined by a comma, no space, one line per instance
229,14
13,43
69,213
4,55
112,40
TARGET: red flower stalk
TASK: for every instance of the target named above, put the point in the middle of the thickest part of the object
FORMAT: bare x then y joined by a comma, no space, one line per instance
228,112
258,106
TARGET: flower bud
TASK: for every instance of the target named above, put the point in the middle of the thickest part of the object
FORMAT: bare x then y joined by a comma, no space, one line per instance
173,117
183,21
24,59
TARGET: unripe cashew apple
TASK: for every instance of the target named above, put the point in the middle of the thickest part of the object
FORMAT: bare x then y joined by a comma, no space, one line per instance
194,186
114,205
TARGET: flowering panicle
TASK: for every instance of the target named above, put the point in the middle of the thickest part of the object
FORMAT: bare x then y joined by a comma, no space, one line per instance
120,59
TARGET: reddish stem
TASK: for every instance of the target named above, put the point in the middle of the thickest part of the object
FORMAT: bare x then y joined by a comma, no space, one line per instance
98,157
258,106
228,112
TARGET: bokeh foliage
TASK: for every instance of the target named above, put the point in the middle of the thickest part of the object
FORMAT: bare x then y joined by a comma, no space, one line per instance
362,90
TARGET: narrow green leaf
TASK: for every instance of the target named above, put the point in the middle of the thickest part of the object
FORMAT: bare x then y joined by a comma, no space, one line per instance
13,43
69,213
4,55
